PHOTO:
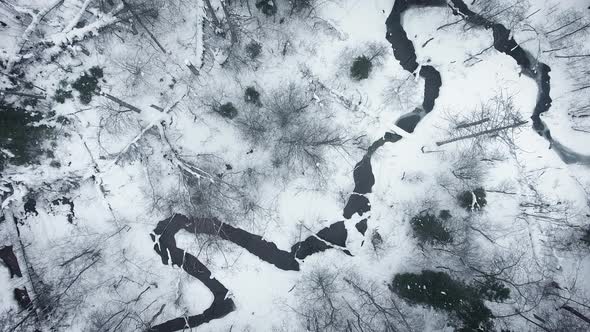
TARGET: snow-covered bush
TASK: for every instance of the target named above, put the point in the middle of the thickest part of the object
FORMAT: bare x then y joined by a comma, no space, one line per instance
472,200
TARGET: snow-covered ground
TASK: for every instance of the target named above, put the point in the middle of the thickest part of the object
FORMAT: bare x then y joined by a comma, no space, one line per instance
125,171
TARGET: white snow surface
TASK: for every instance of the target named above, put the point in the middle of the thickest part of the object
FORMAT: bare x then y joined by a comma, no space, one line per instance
119,201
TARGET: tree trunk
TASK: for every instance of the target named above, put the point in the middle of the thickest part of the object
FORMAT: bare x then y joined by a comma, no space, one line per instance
232,27
138,19
485,132
192,68
120,102
22,94
572,33
576,313
212,12
564,26
572,56
21,256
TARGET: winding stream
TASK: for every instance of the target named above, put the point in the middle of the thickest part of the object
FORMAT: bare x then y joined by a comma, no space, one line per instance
163,235
335,236
530,67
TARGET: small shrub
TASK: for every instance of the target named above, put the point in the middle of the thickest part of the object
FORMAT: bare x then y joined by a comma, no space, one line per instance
227,110
444,215
440,291
253,49
61,95
267,7
252,96
465,199
429,229
87,84
361,68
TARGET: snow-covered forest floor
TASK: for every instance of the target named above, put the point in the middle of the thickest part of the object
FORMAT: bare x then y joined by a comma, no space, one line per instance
115,116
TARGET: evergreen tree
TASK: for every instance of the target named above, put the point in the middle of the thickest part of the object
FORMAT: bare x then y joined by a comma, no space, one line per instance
361,68
430,229
227,110
20,136
87,84
440,291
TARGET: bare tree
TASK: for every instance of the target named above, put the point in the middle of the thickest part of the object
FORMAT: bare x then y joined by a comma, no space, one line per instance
497,120
567,33
342,301
291,125
564,30
512,14
321,306
401,91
